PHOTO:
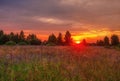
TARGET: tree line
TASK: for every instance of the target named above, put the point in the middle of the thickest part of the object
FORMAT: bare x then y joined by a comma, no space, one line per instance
113,41
32,39
20,39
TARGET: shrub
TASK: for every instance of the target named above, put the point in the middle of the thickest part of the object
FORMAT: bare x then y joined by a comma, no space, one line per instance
22,43
35,42
10,43
50,44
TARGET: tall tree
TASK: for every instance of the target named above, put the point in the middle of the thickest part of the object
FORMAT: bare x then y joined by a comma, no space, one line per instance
1,33
84,42
59,39
22,36
106,41
52,39
16,38
11,36
68,39
33,40
1,37
114,40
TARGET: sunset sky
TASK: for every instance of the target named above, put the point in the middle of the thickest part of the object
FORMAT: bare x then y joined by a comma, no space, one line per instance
90,19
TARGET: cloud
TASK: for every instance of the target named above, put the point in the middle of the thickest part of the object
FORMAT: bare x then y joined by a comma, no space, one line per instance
60,15
52,21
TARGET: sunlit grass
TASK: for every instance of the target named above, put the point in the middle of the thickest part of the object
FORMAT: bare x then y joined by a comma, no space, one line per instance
34,63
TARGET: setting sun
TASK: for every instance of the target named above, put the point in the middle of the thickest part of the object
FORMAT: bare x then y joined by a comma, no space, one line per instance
77,42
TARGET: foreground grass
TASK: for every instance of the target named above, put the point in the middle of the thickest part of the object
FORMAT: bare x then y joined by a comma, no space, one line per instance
59,64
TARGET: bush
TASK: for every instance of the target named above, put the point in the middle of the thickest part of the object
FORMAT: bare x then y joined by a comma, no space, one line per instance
22,43
10,43
35,42
51,44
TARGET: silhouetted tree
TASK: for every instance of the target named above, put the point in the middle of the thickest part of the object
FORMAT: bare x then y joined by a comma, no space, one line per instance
1,33
114,40
33,40
11,36
106,41
22,37
1,36
59,39
52,39
3,39
68,39
16,38
84,42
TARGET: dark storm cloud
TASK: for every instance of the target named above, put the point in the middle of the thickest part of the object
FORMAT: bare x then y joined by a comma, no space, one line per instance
67,14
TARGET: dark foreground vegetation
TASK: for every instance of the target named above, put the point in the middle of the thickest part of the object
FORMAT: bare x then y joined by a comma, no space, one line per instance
59,63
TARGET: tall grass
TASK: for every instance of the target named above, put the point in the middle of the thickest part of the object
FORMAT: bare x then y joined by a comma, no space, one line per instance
35,63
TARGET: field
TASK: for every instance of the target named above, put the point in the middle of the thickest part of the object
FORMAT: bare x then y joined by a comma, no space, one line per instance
54,63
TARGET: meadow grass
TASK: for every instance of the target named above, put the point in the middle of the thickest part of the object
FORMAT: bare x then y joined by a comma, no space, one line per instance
57,63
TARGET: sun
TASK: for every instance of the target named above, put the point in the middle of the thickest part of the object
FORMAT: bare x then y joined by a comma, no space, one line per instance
77,42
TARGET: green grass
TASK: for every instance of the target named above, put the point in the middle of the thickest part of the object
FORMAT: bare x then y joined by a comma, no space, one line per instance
26,63
32,71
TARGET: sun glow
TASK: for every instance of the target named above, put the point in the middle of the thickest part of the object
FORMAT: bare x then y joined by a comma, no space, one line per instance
77,42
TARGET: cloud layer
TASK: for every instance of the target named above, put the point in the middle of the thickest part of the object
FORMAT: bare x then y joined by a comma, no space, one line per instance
60,15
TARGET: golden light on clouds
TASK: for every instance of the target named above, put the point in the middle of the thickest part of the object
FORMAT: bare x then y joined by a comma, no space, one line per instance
51,20
84,36
91,35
